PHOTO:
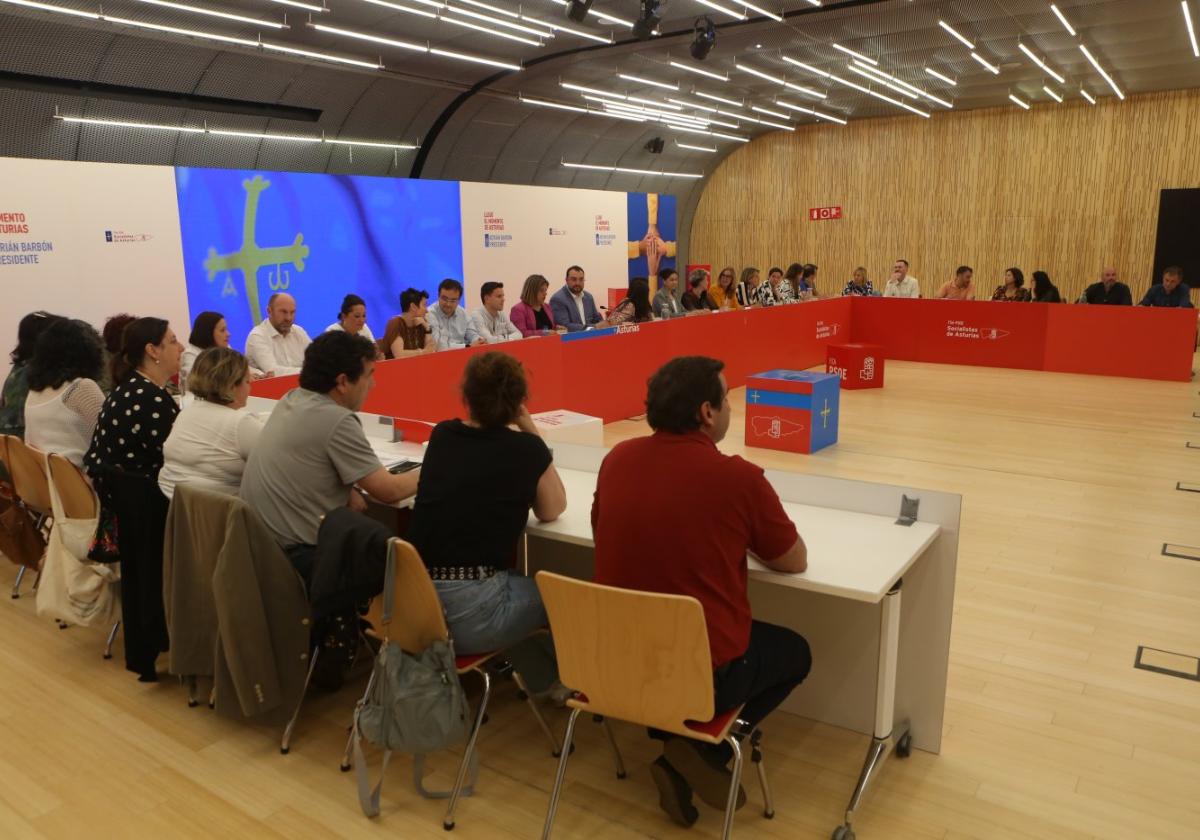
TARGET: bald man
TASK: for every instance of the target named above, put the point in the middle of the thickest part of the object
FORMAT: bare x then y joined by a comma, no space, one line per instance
276,346
1109,290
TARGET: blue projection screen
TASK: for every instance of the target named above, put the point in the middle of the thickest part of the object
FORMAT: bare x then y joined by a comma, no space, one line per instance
248,234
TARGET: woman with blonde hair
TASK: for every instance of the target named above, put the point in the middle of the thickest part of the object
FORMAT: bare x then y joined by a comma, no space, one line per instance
213,436
531,315
724,293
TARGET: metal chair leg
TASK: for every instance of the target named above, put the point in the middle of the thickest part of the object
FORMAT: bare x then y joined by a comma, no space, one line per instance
537,714
757,759
448,821
285,744
37,581
734,784
191,684
16,590
345,765
112,637
612,743
560,775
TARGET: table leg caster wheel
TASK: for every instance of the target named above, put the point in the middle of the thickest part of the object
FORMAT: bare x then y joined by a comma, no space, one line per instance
193,704
621,775
106,656
345,768
904,746
448,826
843,832
284,750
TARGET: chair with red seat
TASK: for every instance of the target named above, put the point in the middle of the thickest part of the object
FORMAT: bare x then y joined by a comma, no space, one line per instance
417,621
640,657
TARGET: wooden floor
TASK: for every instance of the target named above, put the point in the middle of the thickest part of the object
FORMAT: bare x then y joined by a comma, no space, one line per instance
1069,493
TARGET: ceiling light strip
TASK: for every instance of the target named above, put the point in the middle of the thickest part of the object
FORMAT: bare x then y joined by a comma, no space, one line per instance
185,129
938,75
807,67
412,46
715,98
816,94
1187,18
772,15
832,77
956,34
854,68
1019,101
725,10
914,92
1102,72
993,69
695,148
197,10
1057,77
629,171
721,77
308,7
561,106
1062,18
1091,99
1057,98
641,80
854,54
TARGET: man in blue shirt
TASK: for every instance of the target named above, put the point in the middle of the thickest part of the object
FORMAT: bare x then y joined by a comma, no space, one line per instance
1172,291
571,306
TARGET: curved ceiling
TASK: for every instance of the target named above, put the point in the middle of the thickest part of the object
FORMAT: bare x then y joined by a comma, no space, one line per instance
421,76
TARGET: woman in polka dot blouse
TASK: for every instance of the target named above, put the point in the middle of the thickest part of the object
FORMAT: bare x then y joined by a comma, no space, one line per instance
138,414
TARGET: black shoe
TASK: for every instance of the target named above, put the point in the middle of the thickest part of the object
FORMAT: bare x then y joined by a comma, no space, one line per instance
674,795
703,770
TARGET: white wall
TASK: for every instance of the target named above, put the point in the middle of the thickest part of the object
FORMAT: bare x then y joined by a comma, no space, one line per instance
547,229
71,206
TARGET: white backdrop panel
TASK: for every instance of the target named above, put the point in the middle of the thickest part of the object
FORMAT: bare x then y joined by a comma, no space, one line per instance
110,240
512,231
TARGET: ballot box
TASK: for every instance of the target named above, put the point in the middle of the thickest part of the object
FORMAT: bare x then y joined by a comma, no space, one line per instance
859,365
792,410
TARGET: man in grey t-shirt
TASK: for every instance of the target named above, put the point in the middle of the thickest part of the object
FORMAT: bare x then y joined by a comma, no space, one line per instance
312,452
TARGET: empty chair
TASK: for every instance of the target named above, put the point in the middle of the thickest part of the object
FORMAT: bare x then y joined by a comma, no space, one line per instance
644,658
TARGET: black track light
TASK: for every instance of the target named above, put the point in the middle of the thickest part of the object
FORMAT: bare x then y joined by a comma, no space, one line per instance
577,9
648,20
705,40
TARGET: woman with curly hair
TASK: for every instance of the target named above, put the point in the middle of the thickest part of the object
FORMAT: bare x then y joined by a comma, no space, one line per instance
64,397
492,474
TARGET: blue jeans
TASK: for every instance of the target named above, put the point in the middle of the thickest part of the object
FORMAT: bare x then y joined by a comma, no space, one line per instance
500,613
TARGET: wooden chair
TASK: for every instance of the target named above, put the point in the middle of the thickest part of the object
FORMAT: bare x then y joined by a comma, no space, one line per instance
79,501
417,621
27,471
640,657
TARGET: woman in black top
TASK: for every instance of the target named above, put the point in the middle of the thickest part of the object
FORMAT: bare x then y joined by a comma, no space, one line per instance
138,414
479,480
123,461
1043,290
696,297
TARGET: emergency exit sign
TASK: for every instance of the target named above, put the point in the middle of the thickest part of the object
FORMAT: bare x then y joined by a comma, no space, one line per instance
824,214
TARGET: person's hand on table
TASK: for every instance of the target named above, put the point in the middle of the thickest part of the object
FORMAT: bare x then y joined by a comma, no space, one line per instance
479,342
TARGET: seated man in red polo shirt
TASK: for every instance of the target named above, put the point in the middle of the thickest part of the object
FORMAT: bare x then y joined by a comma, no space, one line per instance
649,537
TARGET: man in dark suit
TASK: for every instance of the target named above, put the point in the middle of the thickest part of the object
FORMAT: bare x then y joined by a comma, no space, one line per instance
571,306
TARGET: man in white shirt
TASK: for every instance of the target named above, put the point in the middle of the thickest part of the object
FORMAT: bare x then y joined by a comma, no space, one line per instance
277,345
573,307
901,283
449,322
490,322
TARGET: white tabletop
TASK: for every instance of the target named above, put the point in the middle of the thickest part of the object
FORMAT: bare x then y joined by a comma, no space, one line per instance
850,555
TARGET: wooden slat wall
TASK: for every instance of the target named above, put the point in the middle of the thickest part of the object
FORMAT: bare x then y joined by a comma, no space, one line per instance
1063,188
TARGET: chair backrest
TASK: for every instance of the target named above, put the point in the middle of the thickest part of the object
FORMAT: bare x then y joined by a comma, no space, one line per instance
641,657
417,616
27,466
78,499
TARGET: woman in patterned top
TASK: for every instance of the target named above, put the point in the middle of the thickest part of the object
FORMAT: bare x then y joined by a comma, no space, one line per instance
1013,290
635,308
776,291
859,284
137,416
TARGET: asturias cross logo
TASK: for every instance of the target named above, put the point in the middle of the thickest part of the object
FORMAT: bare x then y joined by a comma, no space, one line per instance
250,257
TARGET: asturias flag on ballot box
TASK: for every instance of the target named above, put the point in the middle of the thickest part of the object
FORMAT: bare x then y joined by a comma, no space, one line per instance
792,410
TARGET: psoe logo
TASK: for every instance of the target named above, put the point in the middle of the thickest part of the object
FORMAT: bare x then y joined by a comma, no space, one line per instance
557,232
121,237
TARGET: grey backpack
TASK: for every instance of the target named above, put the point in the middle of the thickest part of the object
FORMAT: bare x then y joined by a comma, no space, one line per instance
413,704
